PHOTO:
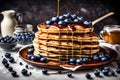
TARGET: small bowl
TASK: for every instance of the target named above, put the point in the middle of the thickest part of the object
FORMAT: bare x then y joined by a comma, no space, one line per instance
8,46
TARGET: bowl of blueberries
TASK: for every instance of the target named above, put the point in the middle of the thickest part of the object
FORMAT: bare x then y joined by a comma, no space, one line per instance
8,43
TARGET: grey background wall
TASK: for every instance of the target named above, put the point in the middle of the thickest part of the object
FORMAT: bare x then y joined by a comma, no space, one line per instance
38,11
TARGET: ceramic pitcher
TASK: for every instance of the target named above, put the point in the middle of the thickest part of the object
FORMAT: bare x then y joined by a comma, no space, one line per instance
9,22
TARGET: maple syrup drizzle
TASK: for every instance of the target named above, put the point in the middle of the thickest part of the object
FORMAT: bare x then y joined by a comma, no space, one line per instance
67,47
58,7
72,31
47,44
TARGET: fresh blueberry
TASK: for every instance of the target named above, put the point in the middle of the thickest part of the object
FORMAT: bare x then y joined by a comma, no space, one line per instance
34,58
88,76
104,58
14,73
67,15
105,72
21,63
67,20
87,23
118,70
10,68
4,61
44,71
55,19
107,68
24,72
76,20
43,59
96,58
31,46
30,50
6,65
112,73
62,23
11,60
69,74
7,55
62,18
96,73
29,56
49,22
79,61
85,60
74,16
72,61
80,19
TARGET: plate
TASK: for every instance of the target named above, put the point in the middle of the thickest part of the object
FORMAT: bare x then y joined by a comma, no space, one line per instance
56,65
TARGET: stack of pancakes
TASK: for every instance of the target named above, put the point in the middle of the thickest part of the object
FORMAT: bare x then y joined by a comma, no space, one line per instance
59,43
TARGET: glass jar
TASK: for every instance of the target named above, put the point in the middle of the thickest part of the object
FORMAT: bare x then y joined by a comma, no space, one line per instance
24,34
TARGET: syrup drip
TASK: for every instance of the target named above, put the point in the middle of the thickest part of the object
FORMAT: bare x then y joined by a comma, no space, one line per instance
59,44
58,7
67,46
71,27
91,48
47,43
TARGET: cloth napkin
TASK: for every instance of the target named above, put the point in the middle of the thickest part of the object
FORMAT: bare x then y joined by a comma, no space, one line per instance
115,47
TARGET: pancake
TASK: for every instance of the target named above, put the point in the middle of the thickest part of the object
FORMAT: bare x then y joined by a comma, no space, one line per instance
60,40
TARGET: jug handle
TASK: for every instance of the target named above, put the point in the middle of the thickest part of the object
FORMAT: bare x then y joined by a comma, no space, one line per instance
19,17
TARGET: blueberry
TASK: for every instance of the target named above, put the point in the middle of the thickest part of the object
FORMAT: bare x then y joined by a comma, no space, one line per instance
6,65
79,61
34,58
118,70
72,61
10,69
67,15
14,73
55,19
87,23
69,74
11,60
43,59
107,68
62,18
31,46
104,58
21,63
80,19
76,20
88,76
7,55
44,71
67,20
112,73
29,56
96,58
61,23
105,72
4,61
74,16
96,73
24,72
85,60
30,50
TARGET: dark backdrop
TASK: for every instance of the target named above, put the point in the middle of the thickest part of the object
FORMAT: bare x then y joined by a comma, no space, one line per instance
38,11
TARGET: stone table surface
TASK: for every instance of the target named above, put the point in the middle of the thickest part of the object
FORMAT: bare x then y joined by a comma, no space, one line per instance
36,72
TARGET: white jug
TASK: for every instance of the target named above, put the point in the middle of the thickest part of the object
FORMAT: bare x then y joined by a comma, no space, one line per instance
8,23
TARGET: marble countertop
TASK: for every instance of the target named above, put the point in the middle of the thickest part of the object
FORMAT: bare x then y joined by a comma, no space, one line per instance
36,72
